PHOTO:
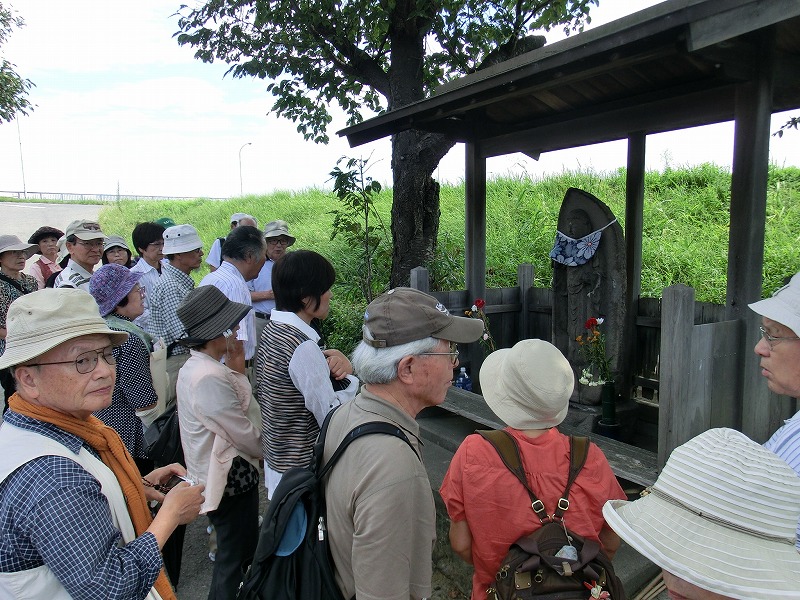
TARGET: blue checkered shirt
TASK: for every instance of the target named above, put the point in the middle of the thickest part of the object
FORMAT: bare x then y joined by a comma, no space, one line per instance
52,512
164,300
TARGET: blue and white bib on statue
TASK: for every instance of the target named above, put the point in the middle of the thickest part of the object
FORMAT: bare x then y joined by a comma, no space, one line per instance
576,252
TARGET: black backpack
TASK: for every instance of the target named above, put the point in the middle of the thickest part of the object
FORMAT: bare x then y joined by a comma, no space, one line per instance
552,563
162,440
282,569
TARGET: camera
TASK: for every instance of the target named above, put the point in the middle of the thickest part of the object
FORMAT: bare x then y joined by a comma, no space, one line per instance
175,480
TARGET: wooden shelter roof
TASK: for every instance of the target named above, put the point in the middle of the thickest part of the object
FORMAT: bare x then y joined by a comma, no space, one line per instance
671,66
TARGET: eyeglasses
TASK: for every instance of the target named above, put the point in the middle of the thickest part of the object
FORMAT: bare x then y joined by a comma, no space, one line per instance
85,362
276,241
91,243
141,291
156,244
453,354
774,340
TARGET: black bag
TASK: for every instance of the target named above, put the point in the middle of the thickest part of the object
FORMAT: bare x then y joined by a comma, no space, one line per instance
552,563
304,570
162,439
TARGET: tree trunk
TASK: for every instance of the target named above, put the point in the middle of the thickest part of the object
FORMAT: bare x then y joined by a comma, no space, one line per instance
415,207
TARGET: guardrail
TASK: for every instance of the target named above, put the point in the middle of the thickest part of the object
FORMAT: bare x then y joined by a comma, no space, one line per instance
78,197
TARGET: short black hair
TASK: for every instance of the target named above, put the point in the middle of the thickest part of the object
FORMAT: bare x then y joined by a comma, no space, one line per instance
145,234
243,242
301,274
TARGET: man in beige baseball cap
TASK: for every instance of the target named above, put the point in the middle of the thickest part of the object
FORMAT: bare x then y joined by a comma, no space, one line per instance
381,488
72,502
84,243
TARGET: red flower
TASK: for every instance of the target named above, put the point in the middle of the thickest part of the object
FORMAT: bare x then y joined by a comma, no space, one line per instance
590,323
480,303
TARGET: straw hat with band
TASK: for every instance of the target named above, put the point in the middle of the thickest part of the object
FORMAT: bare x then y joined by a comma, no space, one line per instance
278,228
44,232
206,314
404,315
110,284
784,305
722,516
10,243
40,321
528,386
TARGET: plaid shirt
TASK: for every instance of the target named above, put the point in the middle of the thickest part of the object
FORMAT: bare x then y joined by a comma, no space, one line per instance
53,513
164,300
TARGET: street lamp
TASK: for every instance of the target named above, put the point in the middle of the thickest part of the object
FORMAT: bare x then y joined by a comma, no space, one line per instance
240,166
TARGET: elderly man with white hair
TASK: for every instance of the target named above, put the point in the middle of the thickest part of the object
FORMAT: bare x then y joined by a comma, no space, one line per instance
381,516
74,515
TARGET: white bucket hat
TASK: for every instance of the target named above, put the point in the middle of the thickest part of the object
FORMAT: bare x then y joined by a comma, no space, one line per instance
783,306
722,516
181,238
528,386
42,320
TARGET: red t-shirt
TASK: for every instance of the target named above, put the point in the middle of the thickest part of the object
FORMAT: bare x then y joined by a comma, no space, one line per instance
479,488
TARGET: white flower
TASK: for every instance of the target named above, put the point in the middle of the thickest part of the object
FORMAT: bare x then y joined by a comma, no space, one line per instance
485,336
583,380
600,320
474,308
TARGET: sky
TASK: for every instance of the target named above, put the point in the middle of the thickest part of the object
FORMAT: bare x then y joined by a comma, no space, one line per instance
120,107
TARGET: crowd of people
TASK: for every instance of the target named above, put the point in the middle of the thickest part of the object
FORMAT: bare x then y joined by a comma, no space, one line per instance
92,353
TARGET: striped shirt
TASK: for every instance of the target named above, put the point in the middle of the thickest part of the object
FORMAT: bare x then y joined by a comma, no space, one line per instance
229,280
73,276
164,300
786,444
149,280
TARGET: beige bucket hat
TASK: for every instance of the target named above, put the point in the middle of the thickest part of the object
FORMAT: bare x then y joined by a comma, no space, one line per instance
42,320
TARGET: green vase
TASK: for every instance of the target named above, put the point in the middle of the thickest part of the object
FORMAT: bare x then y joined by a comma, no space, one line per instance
608,403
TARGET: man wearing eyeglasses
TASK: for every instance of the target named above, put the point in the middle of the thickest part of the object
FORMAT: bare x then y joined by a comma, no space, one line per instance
84,242
74,514
276,233
779,351
381,517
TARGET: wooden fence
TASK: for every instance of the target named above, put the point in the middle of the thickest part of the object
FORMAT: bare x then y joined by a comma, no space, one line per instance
697,365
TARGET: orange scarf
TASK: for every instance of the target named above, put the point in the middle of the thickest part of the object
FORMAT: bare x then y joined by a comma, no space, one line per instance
114,455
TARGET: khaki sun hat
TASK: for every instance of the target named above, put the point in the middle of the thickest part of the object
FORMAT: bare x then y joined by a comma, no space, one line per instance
722,515
9,243
40,321
528,386
784,305
85,230
115,241
404,315
278,228
62,249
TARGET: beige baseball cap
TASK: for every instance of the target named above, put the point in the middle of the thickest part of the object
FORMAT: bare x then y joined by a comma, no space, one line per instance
404,315
85,230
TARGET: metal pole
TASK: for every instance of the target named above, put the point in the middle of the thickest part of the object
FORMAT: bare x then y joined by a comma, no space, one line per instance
241,193
21,164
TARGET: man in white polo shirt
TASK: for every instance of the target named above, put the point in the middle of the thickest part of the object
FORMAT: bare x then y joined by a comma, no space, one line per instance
276,233
214,258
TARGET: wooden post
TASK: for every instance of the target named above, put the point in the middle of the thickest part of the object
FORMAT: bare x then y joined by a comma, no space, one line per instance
677,320
475,222
525,273
420,279
747,224
634,224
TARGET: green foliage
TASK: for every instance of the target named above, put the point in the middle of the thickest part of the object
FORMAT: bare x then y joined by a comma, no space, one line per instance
354,52
685,234
793,123
13,88
357,221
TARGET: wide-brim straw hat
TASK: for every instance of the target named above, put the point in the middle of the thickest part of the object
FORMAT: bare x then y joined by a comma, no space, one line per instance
722,516
40,321
529,385
9,243
207,313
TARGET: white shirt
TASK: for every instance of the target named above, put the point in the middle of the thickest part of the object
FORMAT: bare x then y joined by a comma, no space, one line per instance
214,257
230,282
150,277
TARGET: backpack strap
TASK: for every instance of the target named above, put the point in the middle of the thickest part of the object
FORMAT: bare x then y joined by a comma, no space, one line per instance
358,431
506,446
508,450
578,452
